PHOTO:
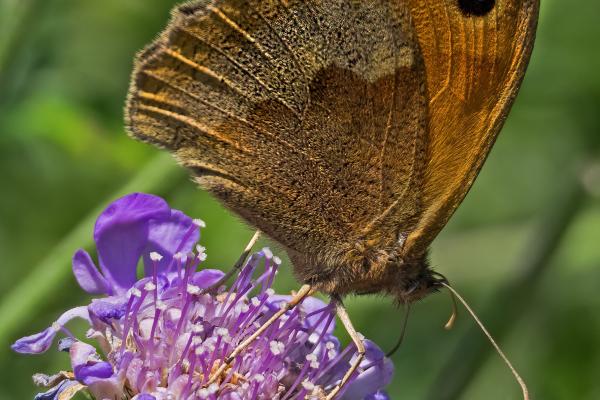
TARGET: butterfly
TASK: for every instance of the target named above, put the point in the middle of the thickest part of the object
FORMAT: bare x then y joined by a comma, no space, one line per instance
347,130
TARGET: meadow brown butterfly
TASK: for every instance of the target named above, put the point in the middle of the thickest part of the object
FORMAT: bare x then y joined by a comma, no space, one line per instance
347,130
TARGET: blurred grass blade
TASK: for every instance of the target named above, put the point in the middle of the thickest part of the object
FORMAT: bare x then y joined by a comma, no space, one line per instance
158,177
13,17
509,302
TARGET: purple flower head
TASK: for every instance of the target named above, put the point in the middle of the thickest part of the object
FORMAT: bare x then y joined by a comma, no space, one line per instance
166,335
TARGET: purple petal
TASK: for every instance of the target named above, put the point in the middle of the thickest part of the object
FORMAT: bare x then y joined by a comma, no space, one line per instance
309,305
376,377
318,321
80,354
41,342
77,312
143,396
168,237
87,366
59,391
88,374
207,277
35,344
107,309
121,235
65,344
380,395
87,275
230,396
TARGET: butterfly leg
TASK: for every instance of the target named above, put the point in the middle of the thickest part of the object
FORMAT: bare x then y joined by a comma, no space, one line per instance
356,338
303,292
236,267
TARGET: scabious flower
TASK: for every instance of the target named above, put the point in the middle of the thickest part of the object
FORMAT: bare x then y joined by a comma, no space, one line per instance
163,337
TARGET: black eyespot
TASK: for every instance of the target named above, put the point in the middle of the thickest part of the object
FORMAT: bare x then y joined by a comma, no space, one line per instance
478,8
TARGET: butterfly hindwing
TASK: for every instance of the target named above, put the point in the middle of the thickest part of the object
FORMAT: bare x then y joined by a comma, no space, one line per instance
308,118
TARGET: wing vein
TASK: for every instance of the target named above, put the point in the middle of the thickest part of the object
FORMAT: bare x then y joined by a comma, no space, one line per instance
229,58
216,11
236,117
203,69
285,45
385,141
193,124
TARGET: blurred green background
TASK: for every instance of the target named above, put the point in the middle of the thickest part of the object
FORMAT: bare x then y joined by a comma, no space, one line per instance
524,247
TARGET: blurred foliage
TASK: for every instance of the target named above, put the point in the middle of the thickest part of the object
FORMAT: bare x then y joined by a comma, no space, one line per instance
64,70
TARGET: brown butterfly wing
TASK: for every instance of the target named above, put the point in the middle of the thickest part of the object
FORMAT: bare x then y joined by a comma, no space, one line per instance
474,66
308,118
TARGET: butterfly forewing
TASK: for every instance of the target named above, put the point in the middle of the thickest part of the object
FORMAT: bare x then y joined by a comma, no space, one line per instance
475,65
308,118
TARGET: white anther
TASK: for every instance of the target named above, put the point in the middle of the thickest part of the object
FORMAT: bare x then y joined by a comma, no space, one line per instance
185,364
267,252
161,305
213,388
135,292
149,286
154,256
312,359
276,347
242,307
192,289
277,260
222,332
199,223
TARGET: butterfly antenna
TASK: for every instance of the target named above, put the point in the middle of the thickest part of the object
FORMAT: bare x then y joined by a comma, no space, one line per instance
489,336
402,331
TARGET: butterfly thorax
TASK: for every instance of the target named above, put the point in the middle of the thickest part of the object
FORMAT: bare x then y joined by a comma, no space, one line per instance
370,271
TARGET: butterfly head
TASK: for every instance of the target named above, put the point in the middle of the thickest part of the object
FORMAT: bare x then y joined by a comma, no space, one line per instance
414,280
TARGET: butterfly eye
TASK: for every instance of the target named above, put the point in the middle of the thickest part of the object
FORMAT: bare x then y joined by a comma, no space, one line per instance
477,8
189,9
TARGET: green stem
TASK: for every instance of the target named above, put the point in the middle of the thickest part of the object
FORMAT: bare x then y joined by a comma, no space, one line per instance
159,177
509,302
